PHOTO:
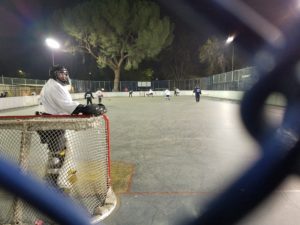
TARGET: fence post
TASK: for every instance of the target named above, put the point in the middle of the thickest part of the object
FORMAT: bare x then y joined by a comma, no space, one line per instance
238,82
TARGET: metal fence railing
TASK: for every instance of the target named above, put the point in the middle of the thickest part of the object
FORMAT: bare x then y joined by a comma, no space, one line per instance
237,80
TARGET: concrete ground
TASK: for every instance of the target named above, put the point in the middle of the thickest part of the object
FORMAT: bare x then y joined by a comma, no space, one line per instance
183,153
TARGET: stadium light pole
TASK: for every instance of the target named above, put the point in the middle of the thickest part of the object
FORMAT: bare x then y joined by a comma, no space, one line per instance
229,41
52,44
90,78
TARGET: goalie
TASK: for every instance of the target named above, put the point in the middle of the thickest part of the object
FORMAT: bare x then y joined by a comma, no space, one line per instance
57,100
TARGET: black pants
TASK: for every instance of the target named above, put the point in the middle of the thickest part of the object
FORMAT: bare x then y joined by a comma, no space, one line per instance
89,101
56,142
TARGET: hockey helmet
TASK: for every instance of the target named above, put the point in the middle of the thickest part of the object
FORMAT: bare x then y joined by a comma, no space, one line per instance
60,74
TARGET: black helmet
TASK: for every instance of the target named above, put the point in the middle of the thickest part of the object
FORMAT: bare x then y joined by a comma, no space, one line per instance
56,70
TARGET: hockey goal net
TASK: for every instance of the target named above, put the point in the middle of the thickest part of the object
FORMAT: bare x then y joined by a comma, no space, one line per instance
71,153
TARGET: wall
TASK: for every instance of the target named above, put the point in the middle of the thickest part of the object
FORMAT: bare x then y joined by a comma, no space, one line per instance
274,99
25,101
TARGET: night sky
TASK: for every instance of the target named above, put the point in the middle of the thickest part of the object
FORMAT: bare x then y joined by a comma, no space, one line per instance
22,34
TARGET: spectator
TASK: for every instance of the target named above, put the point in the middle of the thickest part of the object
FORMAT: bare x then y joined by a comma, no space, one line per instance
4,94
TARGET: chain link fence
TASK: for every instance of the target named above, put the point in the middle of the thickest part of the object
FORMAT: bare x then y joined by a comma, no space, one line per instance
237,80
20,86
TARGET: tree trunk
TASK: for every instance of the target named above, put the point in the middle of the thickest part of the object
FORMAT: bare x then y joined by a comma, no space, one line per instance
116,80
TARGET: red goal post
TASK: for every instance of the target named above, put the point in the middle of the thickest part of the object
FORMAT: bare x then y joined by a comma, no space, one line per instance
85,172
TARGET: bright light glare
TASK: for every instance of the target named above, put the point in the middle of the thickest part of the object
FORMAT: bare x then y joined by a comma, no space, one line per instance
298,5
52,43
230,39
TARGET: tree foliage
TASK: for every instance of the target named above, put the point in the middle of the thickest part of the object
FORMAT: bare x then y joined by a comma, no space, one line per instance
147,74
212,53
180,60
117,33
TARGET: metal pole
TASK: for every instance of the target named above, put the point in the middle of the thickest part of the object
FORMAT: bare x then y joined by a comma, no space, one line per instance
238,83
232,60
52,57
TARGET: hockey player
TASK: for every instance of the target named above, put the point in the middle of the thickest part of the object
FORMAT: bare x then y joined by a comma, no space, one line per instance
88,96
197,92
176,92
150,93
56,100
130,93
167,94
99,94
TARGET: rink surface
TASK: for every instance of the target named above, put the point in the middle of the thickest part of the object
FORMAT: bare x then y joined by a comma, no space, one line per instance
182,154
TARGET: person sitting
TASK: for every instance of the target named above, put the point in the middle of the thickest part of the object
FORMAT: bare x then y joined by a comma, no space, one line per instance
4,94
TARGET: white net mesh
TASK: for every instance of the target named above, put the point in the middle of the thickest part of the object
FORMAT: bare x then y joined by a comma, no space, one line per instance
69,153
